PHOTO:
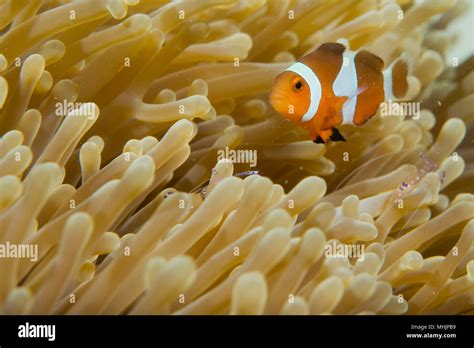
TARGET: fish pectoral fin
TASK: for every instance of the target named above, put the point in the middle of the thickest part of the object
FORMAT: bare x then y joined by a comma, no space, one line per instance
358,91
336,103
336,135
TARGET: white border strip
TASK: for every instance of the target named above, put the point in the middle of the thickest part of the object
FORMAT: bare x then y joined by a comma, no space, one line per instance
314,88
345,85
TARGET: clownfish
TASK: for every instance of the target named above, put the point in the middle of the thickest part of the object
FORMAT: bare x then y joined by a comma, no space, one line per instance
333,86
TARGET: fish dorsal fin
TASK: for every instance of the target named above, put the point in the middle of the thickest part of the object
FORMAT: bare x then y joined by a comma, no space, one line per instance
371,60
331,48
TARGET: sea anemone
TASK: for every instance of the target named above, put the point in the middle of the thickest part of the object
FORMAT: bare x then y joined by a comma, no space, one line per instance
113,116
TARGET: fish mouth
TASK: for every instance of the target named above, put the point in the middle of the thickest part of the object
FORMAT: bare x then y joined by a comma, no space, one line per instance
279,103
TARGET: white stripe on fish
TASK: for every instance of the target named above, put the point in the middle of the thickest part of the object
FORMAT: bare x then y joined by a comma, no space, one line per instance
345,85
314,88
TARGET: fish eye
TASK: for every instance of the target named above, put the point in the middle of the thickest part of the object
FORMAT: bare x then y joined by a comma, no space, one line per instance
297,86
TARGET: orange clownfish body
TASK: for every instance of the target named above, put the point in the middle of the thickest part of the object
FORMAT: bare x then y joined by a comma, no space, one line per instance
333,86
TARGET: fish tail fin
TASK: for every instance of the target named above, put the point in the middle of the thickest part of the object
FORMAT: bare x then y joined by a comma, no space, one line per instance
395,80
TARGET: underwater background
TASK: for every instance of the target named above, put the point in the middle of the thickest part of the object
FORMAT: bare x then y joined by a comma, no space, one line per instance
143,170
